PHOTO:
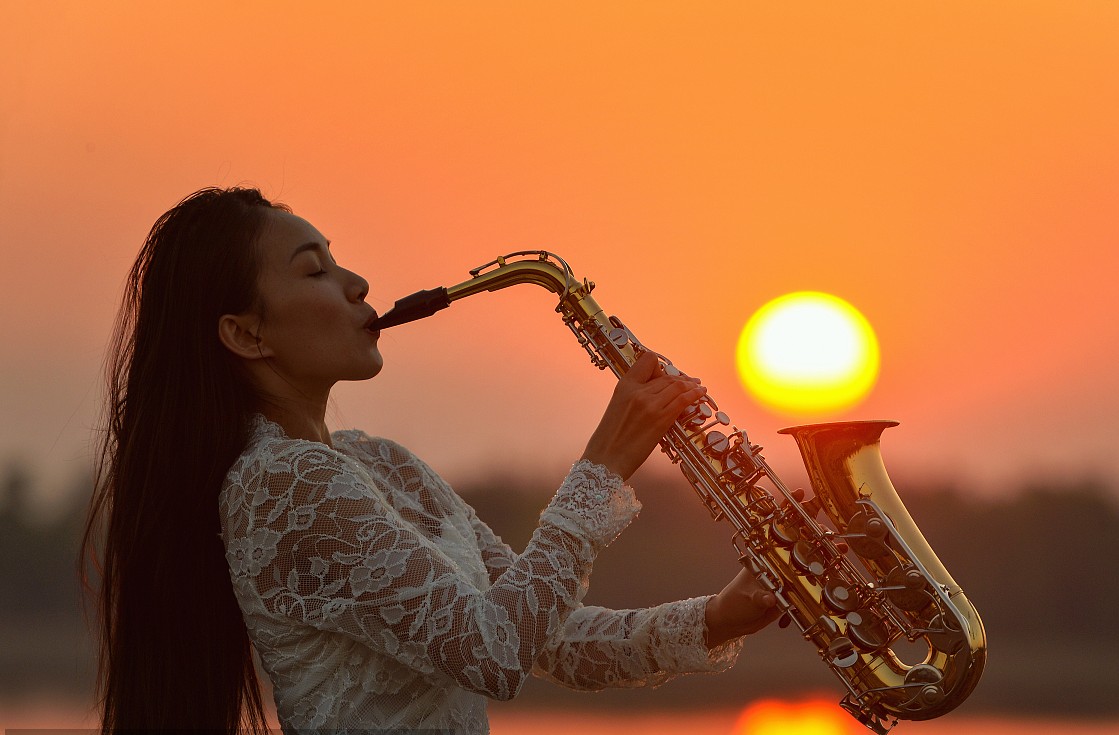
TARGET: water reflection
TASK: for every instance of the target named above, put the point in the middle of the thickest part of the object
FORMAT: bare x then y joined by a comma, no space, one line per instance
778,717
508,721
798,718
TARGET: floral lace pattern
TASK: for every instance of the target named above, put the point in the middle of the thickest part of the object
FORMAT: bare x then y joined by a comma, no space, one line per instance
376,598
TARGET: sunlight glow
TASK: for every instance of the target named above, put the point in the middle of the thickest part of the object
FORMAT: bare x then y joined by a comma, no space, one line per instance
808,353
813,717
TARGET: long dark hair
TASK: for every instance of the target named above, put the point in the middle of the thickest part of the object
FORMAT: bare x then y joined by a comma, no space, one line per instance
174,652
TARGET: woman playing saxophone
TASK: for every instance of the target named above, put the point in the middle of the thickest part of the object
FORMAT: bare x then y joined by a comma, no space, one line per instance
229,519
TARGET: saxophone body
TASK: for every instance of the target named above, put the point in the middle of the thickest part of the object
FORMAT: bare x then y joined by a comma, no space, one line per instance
848,566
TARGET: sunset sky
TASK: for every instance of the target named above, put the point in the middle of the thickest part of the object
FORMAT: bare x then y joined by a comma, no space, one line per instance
950,168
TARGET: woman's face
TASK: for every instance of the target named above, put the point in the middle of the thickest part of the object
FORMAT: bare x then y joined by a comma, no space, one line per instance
314,311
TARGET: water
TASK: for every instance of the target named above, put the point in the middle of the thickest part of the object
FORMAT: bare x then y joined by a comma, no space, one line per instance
724,723
791,718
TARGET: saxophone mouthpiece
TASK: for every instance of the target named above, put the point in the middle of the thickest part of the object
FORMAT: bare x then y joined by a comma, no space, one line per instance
415,306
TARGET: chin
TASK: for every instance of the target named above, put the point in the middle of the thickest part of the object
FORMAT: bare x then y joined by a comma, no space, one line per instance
373,370
363,368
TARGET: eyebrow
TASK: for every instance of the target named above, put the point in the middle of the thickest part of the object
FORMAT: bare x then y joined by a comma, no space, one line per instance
307,246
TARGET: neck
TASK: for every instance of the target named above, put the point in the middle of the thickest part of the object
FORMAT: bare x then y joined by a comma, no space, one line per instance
298,406
300,419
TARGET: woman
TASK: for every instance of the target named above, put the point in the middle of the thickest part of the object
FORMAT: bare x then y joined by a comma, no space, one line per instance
373,594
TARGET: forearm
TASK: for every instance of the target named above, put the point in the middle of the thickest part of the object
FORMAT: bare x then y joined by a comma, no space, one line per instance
601,648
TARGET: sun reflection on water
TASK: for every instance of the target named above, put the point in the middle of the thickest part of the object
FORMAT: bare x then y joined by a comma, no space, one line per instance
809,717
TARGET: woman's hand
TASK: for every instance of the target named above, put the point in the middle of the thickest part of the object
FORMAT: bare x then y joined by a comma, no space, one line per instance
645,403
743,607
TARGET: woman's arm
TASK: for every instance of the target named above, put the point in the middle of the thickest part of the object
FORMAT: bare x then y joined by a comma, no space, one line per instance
319,543
600,648
496,554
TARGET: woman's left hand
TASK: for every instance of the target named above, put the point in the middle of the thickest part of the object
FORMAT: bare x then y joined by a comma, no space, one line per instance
743,607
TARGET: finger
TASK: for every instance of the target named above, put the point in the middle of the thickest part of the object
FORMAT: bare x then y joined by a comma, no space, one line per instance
667,392
763,599
665,377
675,405
667,386
644,368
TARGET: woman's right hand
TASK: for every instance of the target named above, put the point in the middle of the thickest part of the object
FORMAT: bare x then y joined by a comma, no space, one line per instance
645,403
744,606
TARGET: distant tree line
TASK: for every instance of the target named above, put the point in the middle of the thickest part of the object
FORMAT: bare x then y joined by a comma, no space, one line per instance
1037,563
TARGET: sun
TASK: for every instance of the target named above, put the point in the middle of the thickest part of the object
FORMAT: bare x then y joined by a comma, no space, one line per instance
808,353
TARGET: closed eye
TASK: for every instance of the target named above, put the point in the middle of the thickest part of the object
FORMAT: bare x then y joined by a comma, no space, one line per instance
319,273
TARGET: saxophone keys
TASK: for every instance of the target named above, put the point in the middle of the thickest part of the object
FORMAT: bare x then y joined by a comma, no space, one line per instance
867,630
867,536
907,588
840,596
824,628
783,533
930,695
785,529
841,653
742,464
698,414
928,680
721,419
732,469
716,443
945,634
808,559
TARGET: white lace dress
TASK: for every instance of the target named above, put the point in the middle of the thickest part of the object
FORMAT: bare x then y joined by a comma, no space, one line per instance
377,600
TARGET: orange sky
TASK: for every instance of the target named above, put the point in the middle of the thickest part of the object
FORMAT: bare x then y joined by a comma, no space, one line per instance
952,170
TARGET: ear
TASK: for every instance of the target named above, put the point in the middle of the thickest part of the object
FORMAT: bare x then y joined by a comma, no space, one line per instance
240,335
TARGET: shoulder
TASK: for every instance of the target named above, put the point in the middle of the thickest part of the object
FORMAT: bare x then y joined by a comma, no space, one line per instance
378,453
373,447
280,453
276,464
394,463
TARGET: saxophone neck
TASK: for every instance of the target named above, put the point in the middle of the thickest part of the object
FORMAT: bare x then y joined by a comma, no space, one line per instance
538,267
528,266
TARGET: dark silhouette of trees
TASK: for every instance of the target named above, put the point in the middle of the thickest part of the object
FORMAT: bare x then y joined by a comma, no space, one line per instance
1038,564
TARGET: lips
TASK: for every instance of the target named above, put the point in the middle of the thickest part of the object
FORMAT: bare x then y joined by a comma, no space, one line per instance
370,325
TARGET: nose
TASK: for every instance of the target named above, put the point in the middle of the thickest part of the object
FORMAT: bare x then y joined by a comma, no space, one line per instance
359,288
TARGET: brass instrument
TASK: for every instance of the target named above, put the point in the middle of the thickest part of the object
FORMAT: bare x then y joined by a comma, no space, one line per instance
861,584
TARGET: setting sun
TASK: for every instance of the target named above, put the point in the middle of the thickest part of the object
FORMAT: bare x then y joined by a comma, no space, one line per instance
808,353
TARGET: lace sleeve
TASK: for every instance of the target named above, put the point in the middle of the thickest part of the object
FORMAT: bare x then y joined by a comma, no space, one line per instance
597,494
600,648
322,545
496,554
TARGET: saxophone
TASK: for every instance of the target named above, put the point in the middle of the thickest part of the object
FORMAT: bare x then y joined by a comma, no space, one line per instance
849,567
